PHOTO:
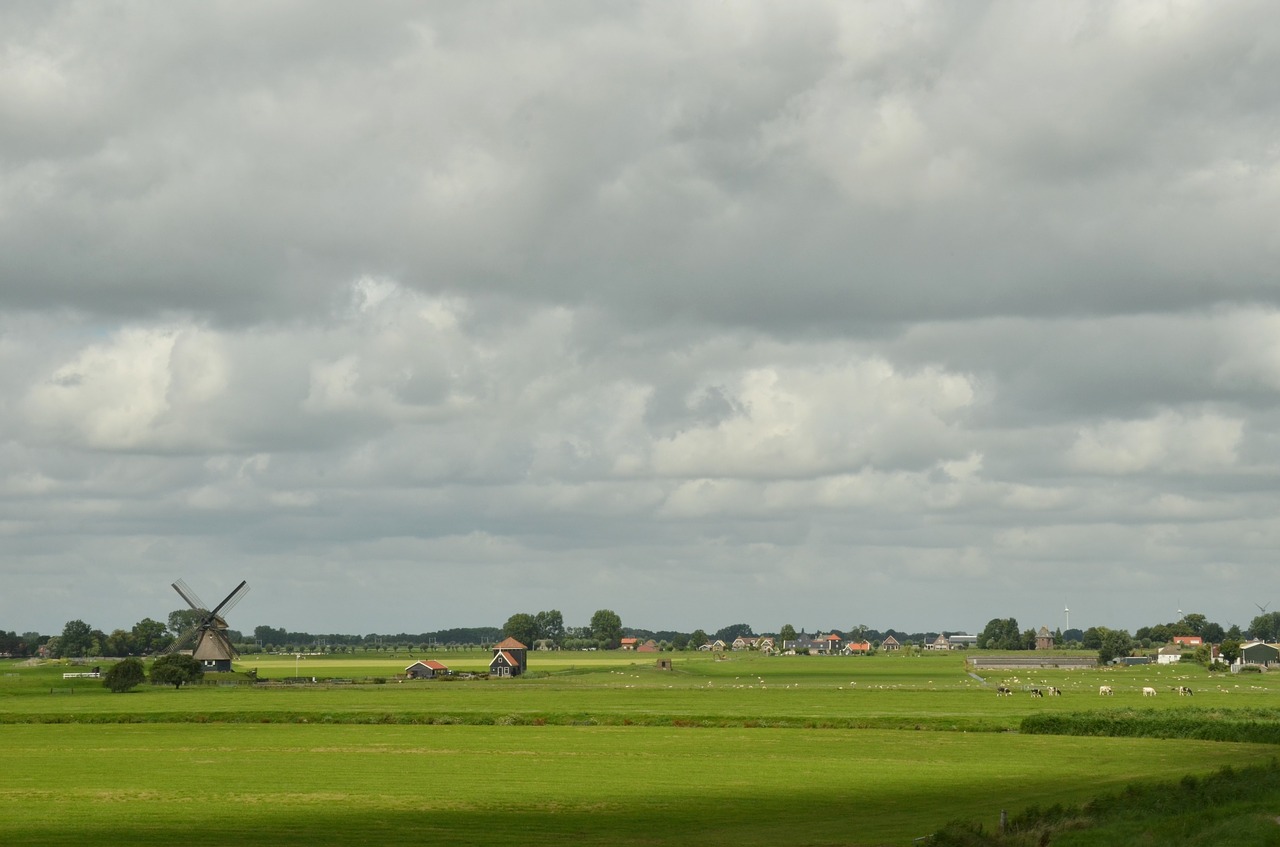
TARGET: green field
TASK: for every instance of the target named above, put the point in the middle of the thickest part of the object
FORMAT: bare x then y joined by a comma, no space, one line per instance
594,748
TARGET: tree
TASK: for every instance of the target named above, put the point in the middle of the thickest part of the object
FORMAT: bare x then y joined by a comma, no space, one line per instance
149,636
1192,623
788,633
737,630
551,625
124,675
176,669
607,626
1001,634
181,620
1113,644
697,639
119,643
76,640
522,627
1231,649
1266,627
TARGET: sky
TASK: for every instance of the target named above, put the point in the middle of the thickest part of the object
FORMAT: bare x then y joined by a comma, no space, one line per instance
906,314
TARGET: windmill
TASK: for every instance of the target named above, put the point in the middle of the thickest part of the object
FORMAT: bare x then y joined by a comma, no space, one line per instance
212,647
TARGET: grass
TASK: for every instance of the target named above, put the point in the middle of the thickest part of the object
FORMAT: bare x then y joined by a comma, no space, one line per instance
593,748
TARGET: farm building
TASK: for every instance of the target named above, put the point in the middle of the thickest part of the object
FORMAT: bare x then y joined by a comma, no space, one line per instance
890,643
1188,640
649,646
1023,662
1258,653
959,640
940,643
857,648
1169,655
426,669
509,658
1044,639
629,643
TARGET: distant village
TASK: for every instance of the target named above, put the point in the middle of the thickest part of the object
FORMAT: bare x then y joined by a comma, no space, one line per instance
209,639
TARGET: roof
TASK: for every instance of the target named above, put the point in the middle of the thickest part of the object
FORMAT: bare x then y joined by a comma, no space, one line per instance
506,657
509,643
629,640
888,639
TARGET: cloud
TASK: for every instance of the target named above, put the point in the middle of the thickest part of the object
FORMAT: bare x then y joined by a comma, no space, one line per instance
913,309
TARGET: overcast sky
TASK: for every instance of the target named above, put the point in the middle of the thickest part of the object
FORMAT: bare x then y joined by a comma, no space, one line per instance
910,315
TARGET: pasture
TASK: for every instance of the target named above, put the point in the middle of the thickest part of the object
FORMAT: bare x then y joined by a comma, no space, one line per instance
597,748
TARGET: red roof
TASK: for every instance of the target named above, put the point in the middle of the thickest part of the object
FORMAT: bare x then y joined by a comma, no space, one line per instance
629,641
506,657
434,665
510,644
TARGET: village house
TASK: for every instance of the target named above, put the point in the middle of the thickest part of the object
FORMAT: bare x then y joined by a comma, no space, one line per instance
1188,640
1169,655
629,643
890,643
857,648
940,643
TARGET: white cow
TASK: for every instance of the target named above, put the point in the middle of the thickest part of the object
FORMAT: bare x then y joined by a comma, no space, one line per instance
1105,691
1148,692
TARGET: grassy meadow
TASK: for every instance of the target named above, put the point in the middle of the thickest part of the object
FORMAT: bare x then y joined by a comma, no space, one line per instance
597,748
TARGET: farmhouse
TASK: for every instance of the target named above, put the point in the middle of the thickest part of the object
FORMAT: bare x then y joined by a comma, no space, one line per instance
890,643
717,645
508,658
649,646
1188,640
1169,655
426,669
857,648
629,643
940,643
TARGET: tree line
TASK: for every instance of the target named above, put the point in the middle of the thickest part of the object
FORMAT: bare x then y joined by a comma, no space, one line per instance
605,631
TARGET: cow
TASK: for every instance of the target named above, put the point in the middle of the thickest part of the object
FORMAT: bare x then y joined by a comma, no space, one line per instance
1105,691
1004,691
1148,692
1055,692
1183,691
1036,692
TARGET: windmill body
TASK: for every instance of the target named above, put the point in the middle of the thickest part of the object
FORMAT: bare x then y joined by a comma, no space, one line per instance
212,649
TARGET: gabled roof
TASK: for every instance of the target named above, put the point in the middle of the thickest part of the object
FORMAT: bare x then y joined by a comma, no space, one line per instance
506,657
509,643
889,639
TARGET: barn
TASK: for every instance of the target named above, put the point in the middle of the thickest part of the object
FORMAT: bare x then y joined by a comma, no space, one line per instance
1258,653
426,669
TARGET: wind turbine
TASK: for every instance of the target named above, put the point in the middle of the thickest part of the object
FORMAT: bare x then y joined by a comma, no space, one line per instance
1066,610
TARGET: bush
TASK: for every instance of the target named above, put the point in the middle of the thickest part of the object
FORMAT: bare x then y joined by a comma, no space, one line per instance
124,675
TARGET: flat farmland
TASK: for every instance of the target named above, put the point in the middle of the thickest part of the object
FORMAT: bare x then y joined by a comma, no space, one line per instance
590,748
